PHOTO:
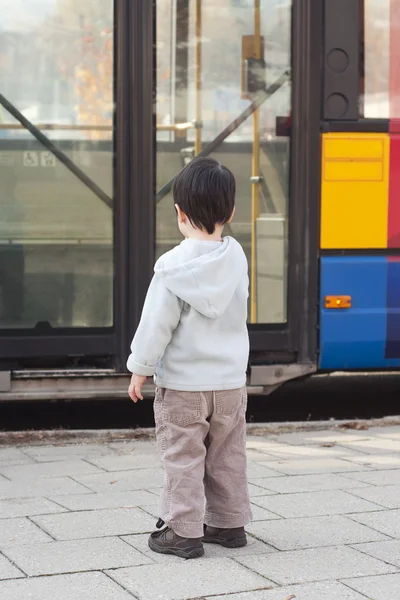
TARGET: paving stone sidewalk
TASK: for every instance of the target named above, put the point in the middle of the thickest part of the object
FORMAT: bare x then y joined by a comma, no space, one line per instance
75,518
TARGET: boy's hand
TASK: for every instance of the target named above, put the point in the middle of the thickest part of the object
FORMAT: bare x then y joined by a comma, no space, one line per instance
135,387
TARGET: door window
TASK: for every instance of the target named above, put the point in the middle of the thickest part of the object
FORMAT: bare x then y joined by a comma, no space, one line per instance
216,61
56,163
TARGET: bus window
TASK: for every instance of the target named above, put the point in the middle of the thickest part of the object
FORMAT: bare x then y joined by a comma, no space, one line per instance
381,60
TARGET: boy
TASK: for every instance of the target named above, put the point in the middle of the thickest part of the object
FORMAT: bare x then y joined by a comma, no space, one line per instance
193,337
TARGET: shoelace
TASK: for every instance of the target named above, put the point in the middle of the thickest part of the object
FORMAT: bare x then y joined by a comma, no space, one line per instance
160,524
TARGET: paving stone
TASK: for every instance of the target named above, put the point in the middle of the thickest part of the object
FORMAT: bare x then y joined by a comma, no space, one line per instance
96,523
66,451
27,507
121,481
127,462
257,456
383,587
261,514
44,487
377,461
308,483
21,531
328,470
287,451
306,466
317,564
312,504
73,556
64,587
190,579
385,521
141,543
8,571
151,509
299,438
387,551
256,490
260,444
256,471
13,456
157,491
376,445
388,432
135,446
312,532
390,477
313,591
387,496
94,501
52,469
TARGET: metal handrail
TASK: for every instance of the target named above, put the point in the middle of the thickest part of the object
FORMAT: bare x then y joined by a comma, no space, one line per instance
64,127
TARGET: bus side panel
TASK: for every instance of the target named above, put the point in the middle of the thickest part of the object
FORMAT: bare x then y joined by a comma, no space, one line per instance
367,335
355,190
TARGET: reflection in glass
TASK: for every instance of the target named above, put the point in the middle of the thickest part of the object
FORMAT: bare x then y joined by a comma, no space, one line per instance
200,62
375,71
56,234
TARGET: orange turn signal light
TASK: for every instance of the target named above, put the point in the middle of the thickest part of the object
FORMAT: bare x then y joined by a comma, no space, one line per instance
337,301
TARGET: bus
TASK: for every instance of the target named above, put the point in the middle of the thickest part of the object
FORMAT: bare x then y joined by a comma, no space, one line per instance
102,104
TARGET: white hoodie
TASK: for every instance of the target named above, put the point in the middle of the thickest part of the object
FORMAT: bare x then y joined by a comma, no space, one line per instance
193,334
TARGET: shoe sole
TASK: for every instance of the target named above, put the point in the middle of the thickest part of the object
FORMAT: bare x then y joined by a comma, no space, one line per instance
189,553
226,542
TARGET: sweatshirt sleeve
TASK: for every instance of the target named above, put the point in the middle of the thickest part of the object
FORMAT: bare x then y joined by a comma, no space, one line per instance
160,317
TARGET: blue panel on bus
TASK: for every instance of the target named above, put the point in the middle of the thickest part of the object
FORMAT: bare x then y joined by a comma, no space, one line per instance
393,309
359,338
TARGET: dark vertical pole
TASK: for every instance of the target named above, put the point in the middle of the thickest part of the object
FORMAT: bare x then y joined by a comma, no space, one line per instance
122,194
305,184
140,128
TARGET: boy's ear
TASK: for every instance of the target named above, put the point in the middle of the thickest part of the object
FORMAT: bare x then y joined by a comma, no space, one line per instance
182,218
232,215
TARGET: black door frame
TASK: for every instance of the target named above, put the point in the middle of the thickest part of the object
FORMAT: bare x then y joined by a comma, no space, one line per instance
134,192
305,184
135,252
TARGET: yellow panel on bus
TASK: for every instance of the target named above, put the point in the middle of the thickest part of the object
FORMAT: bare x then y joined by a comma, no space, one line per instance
355,190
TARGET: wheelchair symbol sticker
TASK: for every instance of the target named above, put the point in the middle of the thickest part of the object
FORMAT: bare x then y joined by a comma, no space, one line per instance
47,159
31,159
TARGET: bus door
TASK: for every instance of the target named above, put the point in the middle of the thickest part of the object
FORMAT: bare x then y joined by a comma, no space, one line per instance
238,80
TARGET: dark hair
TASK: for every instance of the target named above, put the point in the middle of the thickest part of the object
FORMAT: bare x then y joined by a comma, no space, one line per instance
205,191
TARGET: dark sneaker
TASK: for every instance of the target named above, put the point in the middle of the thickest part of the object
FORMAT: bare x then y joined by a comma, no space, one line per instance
167,541
229,538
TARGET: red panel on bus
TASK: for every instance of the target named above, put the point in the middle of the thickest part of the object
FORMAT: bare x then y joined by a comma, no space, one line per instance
394,193
394,126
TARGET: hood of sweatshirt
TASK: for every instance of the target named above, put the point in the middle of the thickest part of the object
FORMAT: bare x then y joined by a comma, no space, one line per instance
204,274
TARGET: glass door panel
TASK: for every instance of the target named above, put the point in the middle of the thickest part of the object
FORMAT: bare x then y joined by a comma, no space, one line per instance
56,164
217,62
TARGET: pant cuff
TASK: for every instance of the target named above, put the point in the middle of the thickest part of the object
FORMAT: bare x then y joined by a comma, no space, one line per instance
228,521
187,530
